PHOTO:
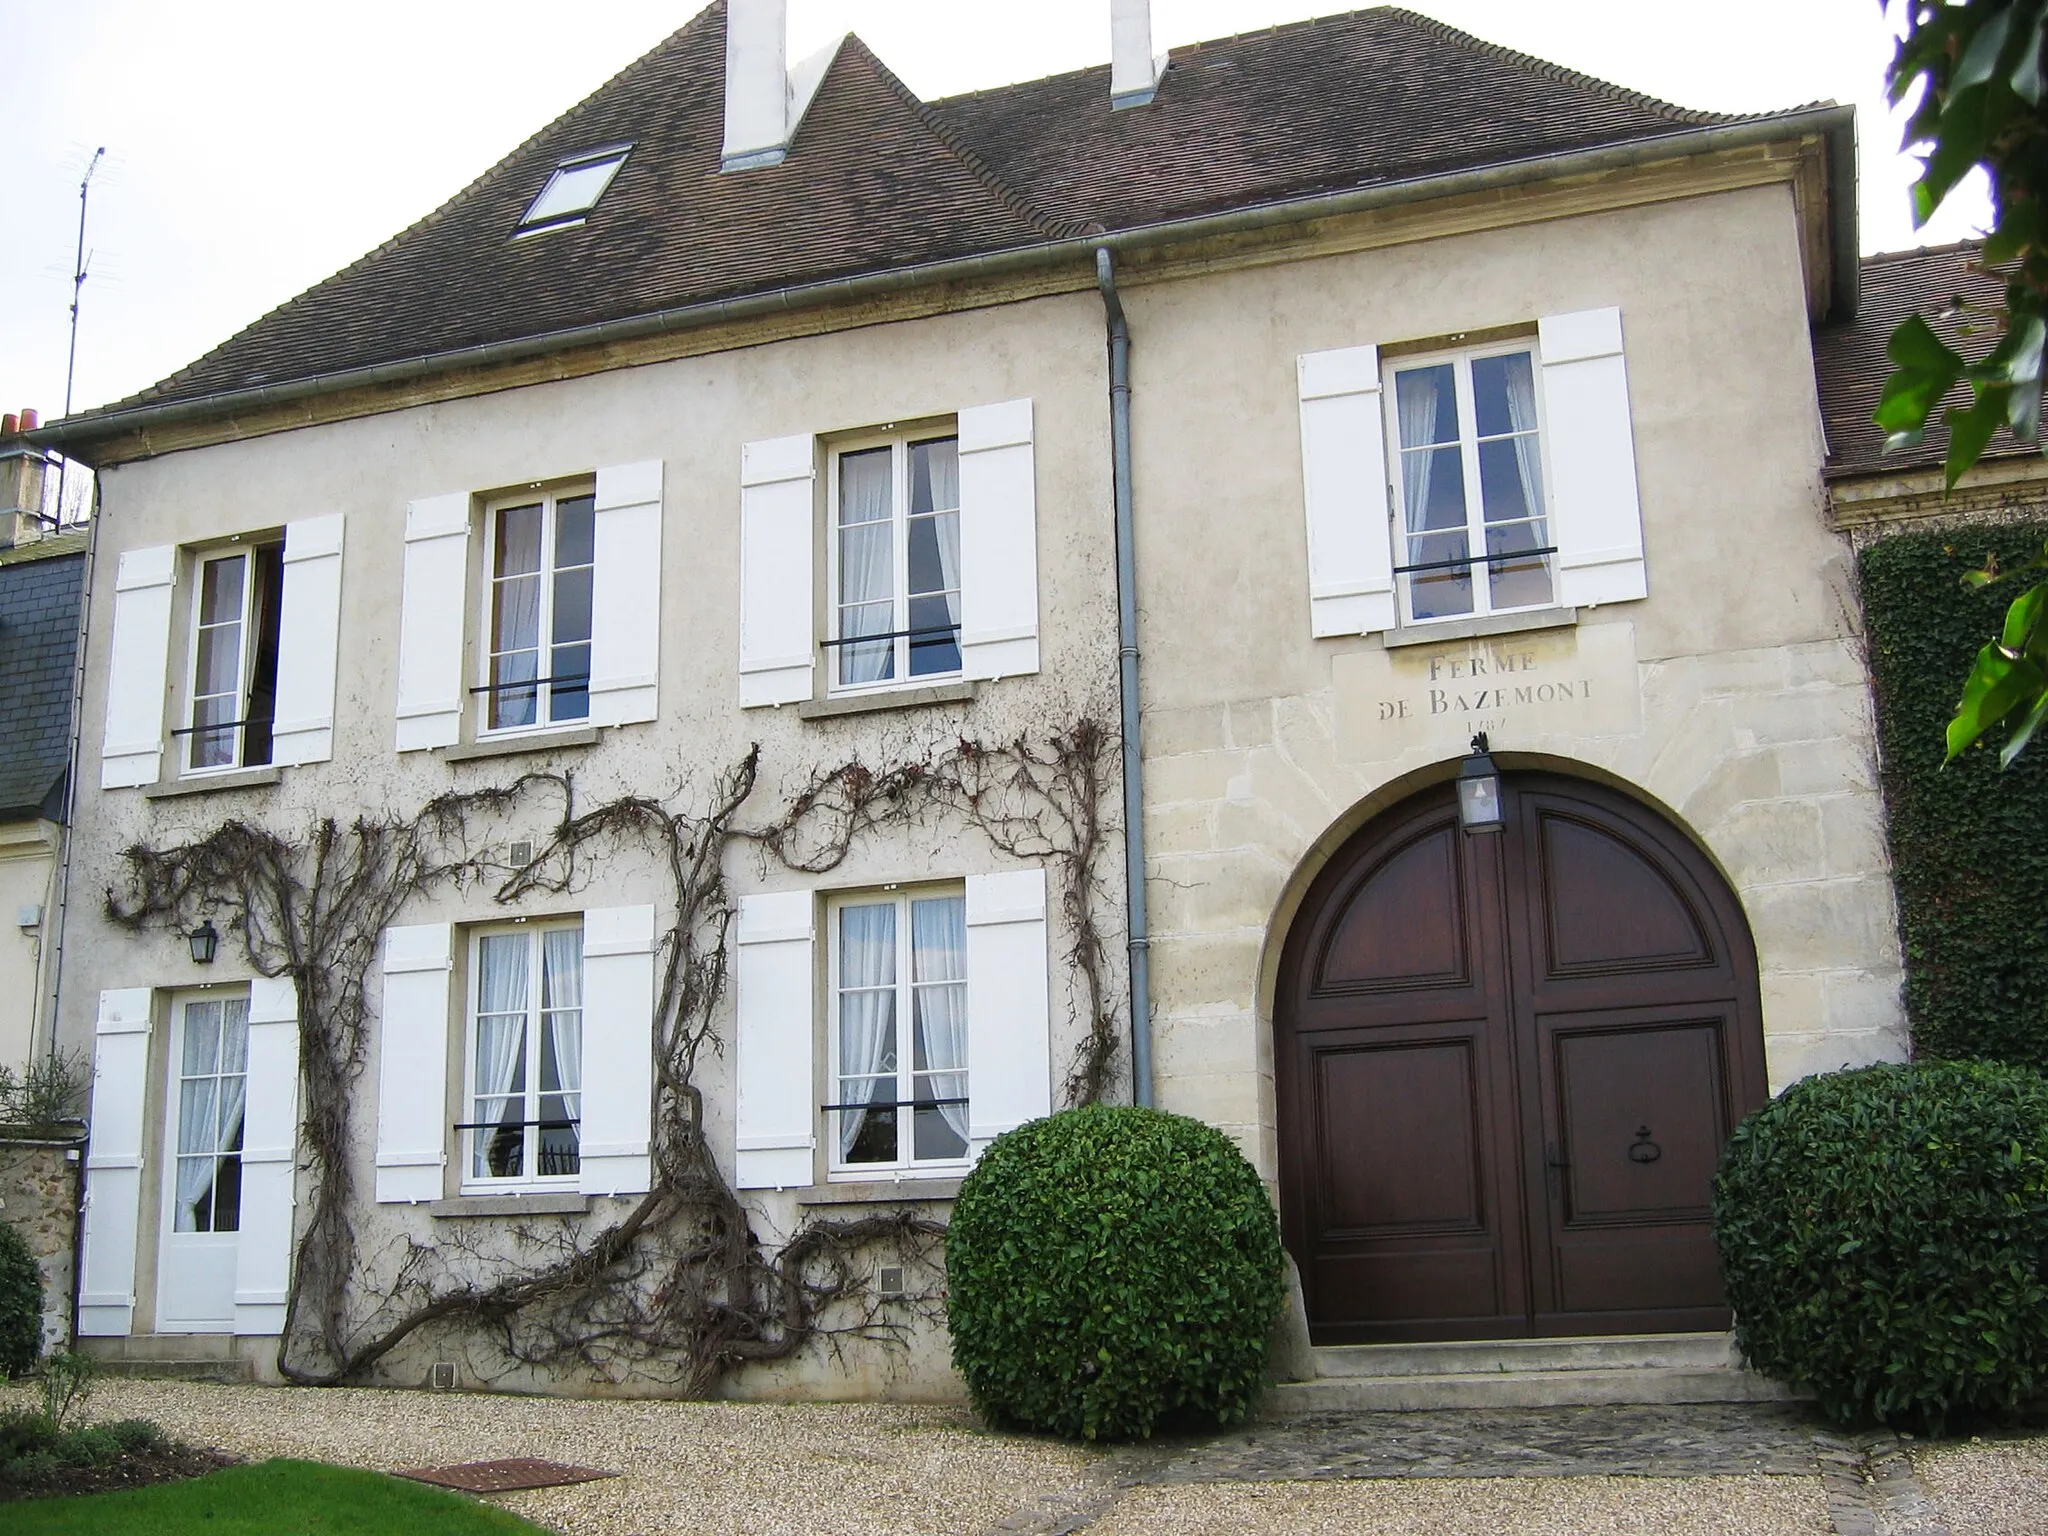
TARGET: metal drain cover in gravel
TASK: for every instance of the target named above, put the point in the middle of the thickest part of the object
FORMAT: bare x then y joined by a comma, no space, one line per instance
508,1475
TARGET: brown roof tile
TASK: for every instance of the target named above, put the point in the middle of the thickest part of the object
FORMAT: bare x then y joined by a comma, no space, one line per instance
876,179
1850,365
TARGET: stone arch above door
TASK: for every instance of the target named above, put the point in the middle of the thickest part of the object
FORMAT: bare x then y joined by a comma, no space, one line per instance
1505,1063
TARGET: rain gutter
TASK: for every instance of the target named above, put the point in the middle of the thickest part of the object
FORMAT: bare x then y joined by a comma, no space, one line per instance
1836,122
1139,924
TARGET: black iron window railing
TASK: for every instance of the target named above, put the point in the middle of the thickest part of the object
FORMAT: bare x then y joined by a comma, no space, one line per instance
218,727
505,1148
921,636
568,681
896,1104
1466,562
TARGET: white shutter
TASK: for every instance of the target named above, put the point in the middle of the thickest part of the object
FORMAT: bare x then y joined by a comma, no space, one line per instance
270,1140
1344,492
1596,520
618,1049
113,1163
625,612
430,622
998,541
132,751
777,1113
308,635
1009,1035
412,1062
777,601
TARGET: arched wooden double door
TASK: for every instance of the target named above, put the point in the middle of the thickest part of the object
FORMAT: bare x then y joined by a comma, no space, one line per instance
1506,1065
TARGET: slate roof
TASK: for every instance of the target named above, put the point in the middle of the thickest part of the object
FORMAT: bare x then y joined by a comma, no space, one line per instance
876,179
1850,365
39,594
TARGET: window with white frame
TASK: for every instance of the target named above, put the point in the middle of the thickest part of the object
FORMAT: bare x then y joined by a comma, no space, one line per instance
232,697
541,551
573,188
895,557
525,1056
899,1030
210,1097
1468,481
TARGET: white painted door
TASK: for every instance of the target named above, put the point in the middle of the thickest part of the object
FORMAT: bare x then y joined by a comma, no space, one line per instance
203,1164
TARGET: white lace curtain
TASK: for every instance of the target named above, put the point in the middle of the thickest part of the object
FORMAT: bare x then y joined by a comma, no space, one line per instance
938,944
867,564
212,1097
500,1043
867,1014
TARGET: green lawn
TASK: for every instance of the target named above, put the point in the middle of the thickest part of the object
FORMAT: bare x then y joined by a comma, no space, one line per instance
274,1498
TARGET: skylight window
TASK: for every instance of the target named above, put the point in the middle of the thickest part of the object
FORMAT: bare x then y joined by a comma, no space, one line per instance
573,190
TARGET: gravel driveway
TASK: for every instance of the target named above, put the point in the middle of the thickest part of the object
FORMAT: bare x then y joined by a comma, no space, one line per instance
704,1468
867,1469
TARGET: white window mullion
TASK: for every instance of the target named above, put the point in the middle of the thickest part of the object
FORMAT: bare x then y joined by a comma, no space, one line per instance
899,552
1475,494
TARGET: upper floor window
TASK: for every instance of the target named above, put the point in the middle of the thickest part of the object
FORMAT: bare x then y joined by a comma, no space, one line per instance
537,650
1469,484
573,189
899,1027
233,693
896,562
526,1054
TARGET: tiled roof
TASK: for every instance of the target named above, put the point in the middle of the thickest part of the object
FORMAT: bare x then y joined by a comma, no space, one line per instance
876,179
1850,365
39,594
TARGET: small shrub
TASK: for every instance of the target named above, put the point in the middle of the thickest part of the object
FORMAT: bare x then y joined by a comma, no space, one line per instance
67,1381
1884,1236
38,1453
1107,1267
21,1304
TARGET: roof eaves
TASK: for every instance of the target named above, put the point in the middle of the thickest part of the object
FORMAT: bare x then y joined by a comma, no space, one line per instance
76,433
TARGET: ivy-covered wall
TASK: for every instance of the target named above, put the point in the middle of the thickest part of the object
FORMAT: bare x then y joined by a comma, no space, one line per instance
1969,843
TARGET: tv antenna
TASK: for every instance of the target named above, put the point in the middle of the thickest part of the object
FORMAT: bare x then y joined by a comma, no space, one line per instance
79,266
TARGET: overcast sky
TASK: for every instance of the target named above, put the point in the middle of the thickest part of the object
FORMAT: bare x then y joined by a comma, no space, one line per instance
255,146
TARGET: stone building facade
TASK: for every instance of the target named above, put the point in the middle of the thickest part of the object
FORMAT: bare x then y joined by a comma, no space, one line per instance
586,475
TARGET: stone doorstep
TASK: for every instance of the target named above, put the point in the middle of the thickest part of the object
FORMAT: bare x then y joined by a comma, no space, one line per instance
1522,1389
225,1372
1640,1351
1526,1373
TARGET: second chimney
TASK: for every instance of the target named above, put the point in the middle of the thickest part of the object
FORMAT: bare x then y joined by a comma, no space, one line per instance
1134,69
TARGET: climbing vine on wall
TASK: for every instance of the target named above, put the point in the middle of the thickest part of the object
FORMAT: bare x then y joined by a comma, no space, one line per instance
1969,859
681,1287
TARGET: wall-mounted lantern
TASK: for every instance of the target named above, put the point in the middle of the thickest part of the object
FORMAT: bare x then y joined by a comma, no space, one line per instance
1479,808
204,939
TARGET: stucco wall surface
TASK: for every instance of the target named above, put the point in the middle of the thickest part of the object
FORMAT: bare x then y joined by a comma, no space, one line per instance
1733,697
28,866
694,415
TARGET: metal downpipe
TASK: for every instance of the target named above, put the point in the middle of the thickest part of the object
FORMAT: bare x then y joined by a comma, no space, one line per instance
1127,678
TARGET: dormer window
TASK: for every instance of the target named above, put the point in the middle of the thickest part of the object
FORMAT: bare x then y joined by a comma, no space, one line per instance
574,188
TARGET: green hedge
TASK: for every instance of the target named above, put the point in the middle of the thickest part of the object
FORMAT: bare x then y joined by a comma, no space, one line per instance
1968,850
21,1305
1884,1237
1109,1267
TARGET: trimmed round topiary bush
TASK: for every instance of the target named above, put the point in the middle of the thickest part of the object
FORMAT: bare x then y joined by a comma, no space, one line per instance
1884,1236
21,1305
1107,1267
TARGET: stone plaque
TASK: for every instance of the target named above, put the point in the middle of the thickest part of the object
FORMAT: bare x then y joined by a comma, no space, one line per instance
1541,686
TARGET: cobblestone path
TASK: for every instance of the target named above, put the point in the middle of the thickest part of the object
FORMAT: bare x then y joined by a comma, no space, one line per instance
1867,1481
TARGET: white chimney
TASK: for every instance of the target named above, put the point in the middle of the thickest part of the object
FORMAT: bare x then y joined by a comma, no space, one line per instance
765,100
1134,69
756,83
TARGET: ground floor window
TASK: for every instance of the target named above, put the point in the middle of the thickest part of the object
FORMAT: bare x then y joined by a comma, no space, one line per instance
899,1029
211,1094
525,1054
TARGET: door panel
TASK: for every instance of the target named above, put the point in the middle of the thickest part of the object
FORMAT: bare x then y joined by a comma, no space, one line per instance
1506,1065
